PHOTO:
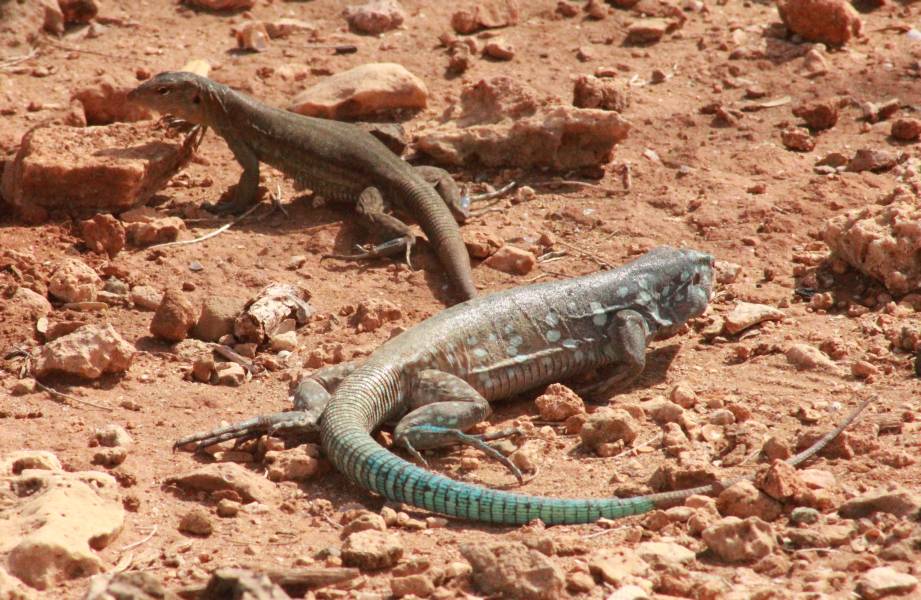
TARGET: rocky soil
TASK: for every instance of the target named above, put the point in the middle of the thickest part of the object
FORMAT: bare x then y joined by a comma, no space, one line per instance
782,138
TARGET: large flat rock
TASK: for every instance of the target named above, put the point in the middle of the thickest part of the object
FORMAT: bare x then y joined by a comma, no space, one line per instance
85,170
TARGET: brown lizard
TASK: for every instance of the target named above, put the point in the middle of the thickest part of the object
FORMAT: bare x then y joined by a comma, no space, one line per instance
338,160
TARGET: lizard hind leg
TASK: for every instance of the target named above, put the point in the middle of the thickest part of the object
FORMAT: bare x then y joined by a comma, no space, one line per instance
444,407
398,236
310,397
294,421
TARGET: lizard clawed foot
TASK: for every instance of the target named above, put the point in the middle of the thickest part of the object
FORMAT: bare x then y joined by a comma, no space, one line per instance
448,434
467,200
251,429
177,124
388,248
233,207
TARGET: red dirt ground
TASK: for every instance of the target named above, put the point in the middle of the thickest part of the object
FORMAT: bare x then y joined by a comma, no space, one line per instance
696,195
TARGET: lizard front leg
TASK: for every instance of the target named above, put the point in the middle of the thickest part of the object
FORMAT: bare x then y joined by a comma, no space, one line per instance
310,398
247,189
627,334
397,235
444,407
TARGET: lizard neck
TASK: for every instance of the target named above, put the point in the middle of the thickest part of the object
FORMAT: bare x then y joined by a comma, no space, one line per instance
216,98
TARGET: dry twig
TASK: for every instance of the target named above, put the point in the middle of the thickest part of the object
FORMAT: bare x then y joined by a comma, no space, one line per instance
62,396
207,236
604,262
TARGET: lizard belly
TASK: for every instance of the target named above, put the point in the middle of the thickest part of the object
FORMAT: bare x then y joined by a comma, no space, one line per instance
526,370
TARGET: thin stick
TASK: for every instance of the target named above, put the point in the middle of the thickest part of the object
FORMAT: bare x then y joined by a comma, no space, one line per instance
80,50
141,541
633,449
62,396
18,59
207,236
561,182
596,257
535,278
604,532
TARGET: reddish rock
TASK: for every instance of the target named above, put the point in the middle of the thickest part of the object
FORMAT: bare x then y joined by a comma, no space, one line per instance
145,226
89,352
361,91
512,570
512,260
222,5
818,115
82,170
744,500
30,302
499,49
78,11
869,159
252,35
596,9
607,94
174,318
782,482
566,9
372,550
103,234
74,281
648,31
607,426
375,17
217,317
104,102
373,313
885,582
880,241
481,244
832,22
486,14
503,123
899,502
906,130
737,540
296,464
558,403
797,139
196,522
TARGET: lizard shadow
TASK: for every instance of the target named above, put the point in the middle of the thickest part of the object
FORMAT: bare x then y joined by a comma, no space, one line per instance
423,261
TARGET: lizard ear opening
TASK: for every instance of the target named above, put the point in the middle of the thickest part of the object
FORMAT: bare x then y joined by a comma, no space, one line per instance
196,99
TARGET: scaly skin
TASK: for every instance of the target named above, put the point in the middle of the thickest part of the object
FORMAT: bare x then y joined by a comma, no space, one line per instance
339,160
491,348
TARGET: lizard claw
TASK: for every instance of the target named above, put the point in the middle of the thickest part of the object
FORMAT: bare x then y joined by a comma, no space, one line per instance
468,199
458,436
388,248
414,453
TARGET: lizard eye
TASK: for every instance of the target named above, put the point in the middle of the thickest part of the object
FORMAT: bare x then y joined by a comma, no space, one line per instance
196,99
163,90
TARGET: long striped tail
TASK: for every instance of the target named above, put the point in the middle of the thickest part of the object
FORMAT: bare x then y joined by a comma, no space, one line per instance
444,235
353,413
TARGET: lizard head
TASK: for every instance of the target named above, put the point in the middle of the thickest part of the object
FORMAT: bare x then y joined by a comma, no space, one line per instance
674,285
177,93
